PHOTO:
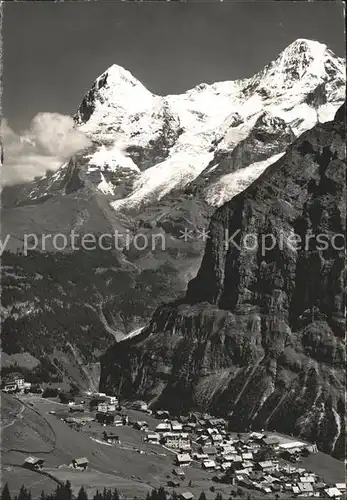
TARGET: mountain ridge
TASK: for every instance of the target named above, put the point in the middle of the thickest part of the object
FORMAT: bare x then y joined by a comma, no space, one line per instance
155,165
258,338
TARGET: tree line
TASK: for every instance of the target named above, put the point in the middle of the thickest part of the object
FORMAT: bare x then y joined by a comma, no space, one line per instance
64,492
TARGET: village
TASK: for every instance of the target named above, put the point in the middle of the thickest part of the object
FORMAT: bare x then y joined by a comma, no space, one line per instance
264,462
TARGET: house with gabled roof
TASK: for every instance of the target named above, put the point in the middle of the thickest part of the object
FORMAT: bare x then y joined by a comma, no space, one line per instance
33,463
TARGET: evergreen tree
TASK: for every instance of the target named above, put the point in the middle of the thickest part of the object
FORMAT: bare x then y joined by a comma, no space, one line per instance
82,495
5,495
64,492
202,496
161,494
98,496
115,495
24,494
219,496
107,494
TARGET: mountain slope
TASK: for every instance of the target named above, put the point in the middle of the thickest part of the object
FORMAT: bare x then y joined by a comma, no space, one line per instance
156,166
260,334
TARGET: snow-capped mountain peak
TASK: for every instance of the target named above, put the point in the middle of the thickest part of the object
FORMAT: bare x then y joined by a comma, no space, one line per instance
302,64
173,139
117,75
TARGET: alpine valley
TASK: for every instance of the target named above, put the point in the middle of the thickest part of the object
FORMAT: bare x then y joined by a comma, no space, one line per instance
255,337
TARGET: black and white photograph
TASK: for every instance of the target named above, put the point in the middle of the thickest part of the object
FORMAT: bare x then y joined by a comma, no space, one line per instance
172,245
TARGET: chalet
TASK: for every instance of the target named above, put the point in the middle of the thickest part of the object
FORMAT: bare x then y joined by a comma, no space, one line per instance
153,437
256,475
227,449
306,489
112,400
247,464
247,456
106,407
209,464
112,438
140,405
104,418
232,458
183,459
200,456
216,439
141,425
176,426
204,441
308,478
187,428
192,426
292,444
76,408
271,441
244,480
220,423
179,472
341,486
163,427
118,422
17,384
212,430
265,488
173,484
266,466
291,454
226,465
162,414
320,486
80,463
256,436
10,387
183,419
333,492
177,441
209,450
311,448
33,463
187,495
20,383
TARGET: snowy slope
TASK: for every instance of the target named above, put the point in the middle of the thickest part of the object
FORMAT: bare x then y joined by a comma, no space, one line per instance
230,185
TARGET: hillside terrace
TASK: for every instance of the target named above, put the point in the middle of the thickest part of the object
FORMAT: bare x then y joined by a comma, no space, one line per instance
255,460
259,461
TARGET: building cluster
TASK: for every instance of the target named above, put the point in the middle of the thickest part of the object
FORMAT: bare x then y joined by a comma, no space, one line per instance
268,463
36,464
17,384
254,460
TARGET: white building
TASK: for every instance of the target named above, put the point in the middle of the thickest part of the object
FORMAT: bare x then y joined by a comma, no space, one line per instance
112,400
153,437
183,459
209,464
106,407
177,441
163,427
176,426
333,493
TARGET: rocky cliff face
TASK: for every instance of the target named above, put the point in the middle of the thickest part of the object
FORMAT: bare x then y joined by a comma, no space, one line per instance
259,335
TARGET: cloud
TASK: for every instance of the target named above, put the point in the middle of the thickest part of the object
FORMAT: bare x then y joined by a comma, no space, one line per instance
48,143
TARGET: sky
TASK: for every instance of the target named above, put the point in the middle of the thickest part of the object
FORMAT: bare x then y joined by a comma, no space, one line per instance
54,51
